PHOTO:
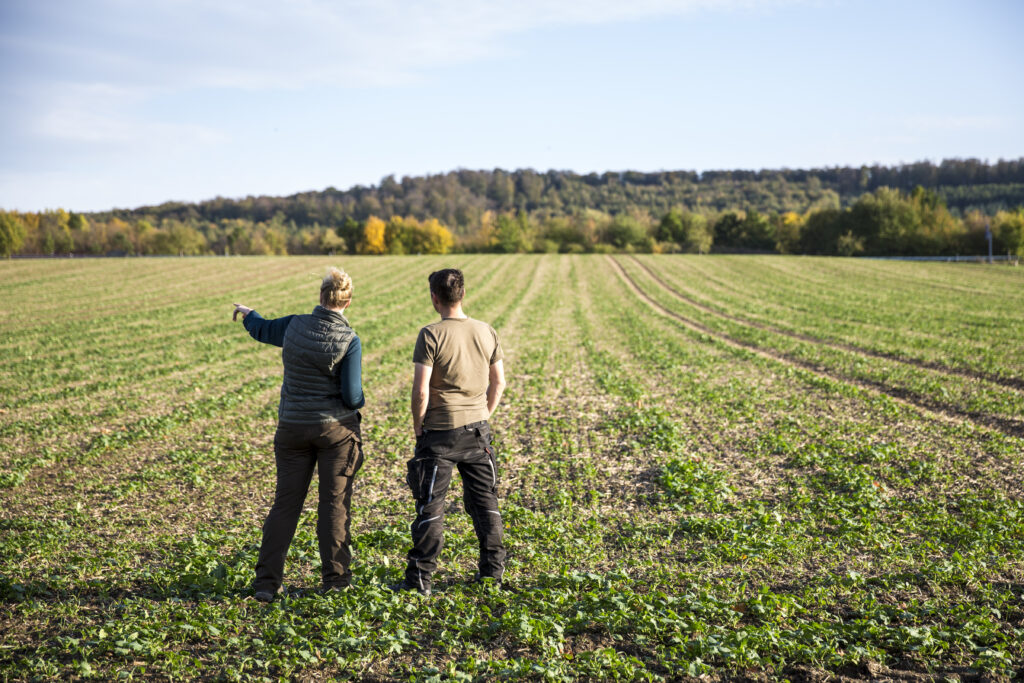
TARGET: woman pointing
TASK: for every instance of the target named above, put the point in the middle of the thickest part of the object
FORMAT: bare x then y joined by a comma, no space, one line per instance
318,427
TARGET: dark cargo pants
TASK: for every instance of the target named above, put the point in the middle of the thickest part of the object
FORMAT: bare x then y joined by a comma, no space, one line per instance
335,449
430,474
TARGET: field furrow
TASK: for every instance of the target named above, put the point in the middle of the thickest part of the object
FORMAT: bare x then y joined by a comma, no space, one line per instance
975,400
976,333
1009,382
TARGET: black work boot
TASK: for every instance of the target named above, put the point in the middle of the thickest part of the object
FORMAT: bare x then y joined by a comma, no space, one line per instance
404,585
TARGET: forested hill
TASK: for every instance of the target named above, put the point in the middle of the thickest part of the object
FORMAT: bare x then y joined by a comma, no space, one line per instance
459,198
920,209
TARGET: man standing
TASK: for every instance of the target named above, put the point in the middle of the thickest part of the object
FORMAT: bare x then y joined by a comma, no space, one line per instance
458,379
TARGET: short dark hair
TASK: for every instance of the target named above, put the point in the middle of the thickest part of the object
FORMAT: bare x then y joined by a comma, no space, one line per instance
448,286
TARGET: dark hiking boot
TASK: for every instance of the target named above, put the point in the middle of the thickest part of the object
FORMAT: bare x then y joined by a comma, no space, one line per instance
266,594
405,586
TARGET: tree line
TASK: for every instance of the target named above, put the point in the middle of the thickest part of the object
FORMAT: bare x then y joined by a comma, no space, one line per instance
916,209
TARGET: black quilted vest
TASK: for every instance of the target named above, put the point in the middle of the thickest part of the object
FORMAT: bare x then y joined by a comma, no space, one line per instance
314,345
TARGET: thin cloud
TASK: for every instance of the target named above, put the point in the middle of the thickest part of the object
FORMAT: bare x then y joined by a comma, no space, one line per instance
78,125
256,45
86,66
102,114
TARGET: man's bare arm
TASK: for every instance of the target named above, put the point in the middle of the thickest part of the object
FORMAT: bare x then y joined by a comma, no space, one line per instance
420,395
495,386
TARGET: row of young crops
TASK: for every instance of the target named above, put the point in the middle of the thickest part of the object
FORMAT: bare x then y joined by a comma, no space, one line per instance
727,466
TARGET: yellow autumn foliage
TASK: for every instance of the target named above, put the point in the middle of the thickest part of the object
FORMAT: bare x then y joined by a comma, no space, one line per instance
373,237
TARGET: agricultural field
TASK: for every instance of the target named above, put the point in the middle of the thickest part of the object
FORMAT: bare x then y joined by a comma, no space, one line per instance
748,467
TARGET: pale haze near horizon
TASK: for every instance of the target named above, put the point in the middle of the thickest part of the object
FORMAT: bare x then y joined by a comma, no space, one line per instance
111,103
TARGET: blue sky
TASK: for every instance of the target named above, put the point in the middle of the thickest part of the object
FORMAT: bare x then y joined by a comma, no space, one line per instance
119,103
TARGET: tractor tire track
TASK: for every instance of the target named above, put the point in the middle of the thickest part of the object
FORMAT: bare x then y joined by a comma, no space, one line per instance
910,399
1016,383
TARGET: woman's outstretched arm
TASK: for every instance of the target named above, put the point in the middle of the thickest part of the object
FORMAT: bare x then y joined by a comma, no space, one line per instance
261,329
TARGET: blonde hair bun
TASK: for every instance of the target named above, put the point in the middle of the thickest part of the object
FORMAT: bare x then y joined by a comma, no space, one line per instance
336,288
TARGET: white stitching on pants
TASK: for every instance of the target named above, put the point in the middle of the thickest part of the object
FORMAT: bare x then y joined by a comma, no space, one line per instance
432,478
494,477
427,520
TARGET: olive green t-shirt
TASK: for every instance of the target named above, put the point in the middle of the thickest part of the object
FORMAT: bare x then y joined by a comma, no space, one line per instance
461,352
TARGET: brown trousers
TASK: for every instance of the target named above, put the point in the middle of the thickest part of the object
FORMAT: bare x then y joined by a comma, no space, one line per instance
336,450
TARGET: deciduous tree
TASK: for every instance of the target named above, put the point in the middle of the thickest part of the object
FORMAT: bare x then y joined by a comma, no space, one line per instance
373,236
12,234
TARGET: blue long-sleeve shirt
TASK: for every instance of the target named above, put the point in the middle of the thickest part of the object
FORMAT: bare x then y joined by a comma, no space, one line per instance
350,378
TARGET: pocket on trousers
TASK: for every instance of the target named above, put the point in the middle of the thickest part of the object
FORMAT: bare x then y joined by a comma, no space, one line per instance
346,441
355,456
420,477
484,437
